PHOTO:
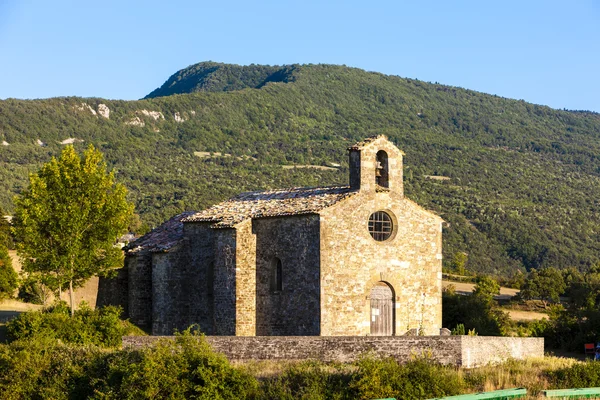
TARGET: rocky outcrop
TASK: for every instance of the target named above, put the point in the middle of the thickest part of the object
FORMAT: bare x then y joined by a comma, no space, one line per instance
104,111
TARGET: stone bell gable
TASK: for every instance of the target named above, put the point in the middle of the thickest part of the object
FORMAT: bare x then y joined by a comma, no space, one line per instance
331,261
376,165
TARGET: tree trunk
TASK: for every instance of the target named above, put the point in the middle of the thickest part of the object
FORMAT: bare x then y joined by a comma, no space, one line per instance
71,297
71,288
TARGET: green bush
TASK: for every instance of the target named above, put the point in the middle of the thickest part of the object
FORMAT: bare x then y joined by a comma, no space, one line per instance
418,379
45,369
577,376
309,380
475,312
101,327
33,291
187,368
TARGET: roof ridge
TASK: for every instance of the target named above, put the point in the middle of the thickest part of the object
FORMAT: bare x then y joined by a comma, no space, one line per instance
271,203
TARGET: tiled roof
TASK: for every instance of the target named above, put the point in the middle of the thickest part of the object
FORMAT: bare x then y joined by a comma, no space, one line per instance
270,203
162,238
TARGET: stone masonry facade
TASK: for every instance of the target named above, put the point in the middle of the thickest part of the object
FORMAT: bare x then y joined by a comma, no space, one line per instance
293,262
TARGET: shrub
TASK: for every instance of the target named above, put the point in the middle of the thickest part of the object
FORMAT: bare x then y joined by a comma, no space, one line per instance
476,311
309,380
418,379
577,376
101,327
33,291
43,368
183,369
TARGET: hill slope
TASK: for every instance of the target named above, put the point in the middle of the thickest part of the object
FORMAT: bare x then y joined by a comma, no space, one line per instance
523,183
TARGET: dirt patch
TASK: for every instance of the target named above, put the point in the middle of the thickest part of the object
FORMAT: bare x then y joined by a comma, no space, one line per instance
11,305
206,154
321,167
518,315
16,261
467,288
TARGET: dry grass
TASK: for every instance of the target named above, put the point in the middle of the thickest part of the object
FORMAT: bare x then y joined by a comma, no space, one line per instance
530,373
518,315
437,177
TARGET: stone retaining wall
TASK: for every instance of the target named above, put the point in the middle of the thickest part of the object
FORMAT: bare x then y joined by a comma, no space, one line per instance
467,351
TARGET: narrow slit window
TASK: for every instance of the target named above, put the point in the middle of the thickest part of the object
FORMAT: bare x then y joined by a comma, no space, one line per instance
277,276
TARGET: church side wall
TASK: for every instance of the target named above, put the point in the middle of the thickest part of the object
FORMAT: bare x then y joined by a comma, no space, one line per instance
294,310
139,271
353,262
245,280
196,300
225,281
172,299
113,291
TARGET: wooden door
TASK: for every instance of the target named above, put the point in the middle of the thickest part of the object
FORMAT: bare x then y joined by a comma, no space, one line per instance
382,310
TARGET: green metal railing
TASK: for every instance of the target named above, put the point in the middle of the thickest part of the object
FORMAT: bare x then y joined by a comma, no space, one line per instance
583,393
496,395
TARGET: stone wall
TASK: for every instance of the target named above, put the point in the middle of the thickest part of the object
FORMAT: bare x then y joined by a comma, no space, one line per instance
482,350
114,291
171,296
196,301
468,351
352,262
224,281
294,310
139,272
245,280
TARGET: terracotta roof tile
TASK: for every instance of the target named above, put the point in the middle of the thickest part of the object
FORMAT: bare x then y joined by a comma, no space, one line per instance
270,203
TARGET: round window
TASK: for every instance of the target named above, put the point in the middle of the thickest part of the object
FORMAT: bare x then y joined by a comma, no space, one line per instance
381,226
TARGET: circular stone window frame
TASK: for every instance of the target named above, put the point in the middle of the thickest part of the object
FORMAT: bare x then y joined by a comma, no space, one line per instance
394,226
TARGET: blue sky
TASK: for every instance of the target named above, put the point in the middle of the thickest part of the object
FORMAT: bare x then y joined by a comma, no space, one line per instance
545,52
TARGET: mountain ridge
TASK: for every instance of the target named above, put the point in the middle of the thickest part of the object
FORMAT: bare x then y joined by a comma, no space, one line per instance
211,76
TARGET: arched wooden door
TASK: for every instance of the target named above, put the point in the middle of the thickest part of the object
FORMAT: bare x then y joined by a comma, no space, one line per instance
382,310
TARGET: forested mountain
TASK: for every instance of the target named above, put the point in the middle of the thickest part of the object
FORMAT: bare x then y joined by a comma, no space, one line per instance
518,183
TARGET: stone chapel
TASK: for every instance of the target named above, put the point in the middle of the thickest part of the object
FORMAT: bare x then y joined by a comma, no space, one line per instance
350,260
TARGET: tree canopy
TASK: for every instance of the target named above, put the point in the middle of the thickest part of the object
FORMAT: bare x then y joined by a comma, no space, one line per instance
547,284
68,220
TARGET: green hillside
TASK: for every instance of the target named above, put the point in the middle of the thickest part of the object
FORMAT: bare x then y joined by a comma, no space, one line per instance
523,183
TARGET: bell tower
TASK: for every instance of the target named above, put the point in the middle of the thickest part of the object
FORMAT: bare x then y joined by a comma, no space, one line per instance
376,166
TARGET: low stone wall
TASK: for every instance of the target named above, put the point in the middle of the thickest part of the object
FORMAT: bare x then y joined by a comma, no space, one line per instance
467,351
483,350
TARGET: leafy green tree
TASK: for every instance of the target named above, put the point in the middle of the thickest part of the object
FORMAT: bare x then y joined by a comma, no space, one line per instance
486,288
547,284
8,276
476,312
459,261
68,220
